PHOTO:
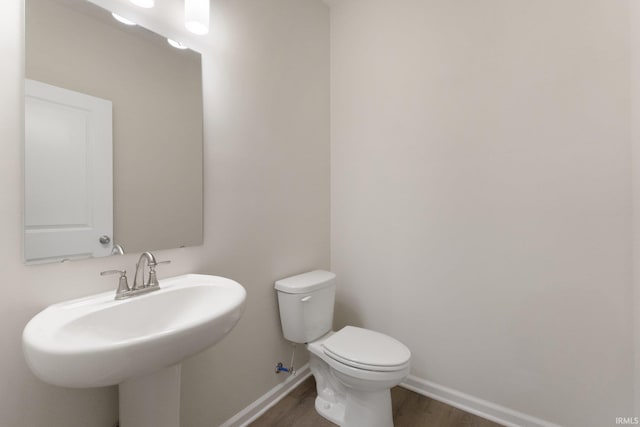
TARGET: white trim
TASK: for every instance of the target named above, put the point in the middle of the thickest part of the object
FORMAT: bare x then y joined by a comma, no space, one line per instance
270,398
473,405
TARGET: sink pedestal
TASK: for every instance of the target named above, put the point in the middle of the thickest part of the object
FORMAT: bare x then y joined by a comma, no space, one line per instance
152,400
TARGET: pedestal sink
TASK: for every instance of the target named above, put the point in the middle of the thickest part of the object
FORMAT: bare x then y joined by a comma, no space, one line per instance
136,343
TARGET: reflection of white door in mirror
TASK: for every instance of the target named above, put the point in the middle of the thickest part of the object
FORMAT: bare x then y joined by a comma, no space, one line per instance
68,174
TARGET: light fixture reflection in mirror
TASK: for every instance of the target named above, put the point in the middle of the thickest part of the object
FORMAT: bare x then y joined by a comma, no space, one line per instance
196,16
122,19
147,4
155,91
176,44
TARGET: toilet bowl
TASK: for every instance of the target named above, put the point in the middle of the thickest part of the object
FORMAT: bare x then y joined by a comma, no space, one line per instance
354,368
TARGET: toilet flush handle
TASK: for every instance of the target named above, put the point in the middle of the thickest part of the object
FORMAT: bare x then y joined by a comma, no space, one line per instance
305,299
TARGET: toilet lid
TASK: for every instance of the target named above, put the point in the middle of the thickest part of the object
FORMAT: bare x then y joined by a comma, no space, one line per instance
365,349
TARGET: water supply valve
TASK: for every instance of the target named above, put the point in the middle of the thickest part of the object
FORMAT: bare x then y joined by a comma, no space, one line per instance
291,370
281,368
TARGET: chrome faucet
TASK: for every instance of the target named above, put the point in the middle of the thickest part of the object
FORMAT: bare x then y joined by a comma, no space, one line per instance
151,262
123,285
139,287
117,250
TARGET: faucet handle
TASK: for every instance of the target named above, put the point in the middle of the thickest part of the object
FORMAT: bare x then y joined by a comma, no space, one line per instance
123,284
153,278
110,272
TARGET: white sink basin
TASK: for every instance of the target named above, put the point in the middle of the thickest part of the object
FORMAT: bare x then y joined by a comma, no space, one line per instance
98,341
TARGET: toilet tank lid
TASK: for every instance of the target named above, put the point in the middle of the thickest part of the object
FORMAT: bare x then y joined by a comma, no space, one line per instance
306,282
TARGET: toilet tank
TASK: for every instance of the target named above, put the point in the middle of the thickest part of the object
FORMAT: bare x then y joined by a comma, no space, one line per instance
306,305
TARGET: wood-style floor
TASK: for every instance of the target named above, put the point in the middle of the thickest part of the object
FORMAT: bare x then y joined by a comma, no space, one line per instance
409,410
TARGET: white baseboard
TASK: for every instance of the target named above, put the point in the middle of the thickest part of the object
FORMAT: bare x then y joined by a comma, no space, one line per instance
457,399
270,398
473,405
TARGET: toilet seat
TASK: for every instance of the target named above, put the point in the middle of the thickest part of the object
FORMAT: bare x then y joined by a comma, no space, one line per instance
365,349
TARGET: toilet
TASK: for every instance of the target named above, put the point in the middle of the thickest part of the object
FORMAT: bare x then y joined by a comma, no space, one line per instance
354,368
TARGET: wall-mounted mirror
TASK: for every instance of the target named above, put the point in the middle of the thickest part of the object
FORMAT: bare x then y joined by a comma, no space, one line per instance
113,136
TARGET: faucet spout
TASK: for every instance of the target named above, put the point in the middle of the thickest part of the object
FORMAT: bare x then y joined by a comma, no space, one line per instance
145,258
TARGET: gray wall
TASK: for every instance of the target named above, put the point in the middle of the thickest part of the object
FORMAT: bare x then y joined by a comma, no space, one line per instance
267,187
266,212
481,195
634,13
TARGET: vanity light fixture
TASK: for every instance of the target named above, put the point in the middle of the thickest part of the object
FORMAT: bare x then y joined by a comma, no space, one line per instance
123,20
147,4
176,44
196,16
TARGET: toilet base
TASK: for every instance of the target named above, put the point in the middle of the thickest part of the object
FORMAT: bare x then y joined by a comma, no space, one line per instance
333,412
368,409
363,409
